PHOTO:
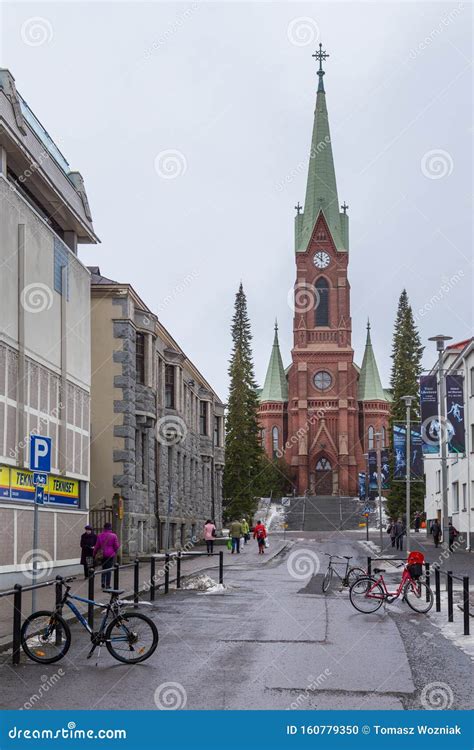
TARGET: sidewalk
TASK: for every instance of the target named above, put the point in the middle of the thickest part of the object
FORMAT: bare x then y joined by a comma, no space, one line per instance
45,597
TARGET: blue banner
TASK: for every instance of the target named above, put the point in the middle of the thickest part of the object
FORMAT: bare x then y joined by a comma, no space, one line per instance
430,422
455,413
400,449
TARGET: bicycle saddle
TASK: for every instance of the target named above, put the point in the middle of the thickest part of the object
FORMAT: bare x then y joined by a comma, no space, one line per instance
114,591
379,570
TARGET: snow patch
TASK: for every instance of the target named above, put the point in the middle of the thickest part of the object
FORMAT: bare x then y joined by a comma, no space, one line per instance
205,584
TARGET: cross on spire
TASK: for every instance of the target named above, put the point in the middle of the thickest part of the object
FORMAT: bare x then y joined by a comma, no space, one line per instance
298,208
344,207
319,56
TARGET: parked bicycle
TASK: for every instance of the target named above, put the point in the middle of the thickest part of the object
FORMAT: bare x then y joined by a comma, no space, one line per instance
130,637
367,594
351,573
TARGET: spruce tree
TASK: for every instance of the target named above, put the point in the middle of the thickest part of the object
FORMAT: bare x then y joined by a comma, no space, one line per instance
243,451
407,352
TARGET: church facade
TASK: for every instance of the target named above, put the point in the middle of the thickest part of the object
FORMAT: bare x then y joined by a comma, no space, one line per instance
323,413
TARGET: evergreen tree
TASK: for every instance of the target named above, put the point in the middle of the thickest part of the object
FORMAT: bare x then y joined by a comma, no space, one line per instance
407,352
275,479
243,464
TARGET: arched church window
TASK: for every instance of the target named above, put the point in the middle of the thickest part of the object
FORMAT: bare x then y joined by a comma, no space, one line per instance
323,464
371,437
275,441
262,437
322,302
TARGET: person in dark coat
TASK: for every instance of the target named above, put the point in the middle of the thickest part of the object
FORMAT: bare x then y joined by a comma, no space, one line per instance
88,542
417,523
436,531
399,528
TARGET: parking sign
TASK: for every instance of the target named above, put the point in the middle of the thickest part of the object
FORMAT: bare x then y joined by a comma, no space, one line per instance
40,453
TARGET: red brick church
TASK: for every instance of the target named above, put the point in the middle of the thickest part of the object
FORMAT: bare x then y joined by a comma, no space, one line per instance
323,413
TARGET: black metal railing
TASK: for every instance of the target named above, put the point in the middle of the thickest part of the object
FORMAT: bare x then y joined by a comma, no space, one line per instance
437,590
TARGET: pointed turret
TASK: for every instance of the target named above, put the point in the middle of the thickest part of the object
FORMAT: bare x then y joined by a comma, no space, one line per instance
370,385
276,386
321,188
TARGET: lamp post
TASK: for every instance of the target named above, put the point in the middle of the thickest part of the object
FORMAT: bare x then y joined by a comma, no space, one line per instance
440,345
378,436
408,402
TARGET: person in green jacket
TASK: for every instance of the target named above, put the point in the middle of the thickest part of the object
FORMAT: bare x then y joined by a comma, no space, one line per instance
235,532
245,530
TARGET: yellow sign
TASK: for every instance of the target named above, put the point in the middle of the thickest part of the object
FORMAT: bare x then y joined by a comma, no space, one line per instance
17,484
21,484
62,488
4,481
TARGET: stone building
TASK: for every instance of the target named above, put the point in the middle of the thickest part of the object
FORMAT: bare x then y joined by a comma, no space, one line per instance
44,338
157,450
323,413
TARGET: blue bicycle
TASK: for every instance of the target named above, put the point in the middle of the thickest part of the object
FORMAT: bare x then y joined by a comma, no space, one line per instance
130,637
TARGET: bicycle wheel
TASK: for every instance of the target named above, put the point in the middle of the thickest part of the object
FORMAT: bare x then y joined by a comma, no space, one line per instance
45,637
366,595
354,574
415,596
131,637
327,580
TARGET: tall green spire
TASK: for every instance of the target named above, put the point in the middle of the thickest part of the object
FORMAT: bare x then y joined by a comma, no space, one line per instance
276,384
370,386
321,188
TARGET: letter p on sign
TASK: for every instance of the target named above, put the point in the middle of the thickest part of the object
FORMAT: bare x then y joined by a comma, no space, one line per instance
40,453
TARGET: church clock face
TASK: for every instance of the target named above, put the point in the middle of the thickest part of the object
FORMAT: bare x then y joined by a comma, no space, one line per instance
321,259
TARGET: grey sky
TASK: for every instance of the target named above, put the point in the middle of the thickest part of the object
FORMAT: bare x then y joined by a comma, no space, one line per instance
231,87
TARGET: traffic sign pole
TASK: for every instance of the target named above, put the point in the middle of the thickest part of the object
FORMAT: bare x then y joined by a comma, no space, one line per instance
40,464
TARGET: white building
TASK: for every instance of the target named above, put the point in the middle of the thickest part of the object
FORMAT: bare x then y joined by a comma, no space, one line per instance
458,358
44,337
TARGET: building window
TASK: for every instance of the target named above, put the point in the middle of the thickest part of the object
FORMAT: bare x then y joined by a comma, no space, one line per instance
140,356
193,532
464,497
262,438
371,438
455,497
438,481
472,381
275,445
203,417
169,386
323,465
182,534
217,431
172,543
60,262
322,302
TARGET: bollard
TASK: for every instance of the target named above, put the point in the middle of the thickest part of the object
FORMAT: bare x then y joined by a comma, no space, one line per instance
450,595
152,578
136,581
16,624
167,573
90,596
116,576
178,570
221,567
465,596
438,589
59,596
427,579
369,566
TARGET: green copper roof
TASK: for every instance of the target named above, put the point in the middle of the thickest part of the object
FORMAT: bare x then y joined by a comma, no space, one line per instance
370,386
275,387
321,188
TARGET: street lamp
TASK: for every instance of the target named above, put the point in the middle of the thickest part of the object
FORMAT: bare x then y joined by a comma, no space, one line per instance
440,344
378,436
408,402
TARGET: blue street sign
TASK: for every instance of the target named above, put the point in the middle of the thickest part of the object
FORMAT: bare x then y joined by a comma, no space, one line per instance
39,477
39,495
40,453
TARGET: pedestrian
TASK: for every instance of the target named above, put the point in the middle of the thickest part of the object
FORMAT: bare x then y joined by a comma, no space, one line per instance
417,523
107,544
436,531
453,533
209,535
391,529
399,528
260,534
235,532
88,540
245,530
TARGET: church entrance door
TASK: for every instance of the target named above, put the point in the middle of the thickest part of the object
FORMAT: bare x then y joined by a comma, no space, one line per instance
323,477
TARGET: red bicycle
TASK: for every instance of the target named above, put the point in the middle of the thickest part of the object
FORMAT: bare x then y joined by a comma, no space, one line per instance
367,594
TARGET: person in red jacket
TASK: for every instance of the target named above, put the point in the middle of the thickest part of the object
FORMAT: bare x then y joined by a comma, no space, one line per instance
260,534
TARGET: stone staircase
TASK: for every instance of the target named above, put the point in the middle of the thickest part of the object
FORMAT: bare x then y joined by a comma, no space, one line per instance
324,513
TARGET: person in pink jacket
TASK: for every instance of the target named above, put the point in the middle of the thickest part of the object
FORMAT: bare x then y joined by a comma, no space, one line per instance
209,536
107,543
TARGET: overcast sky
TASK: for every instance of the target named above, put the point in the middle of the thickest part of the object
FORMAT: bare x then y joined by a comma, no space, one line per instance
226,91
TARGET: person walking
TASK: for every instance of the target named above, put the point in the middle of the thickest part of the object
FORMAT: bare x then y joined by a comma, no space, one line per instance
235,532
417,523
245,530
453,533
108,544
209,536
260,534
88,540
399,527
392,531
436,531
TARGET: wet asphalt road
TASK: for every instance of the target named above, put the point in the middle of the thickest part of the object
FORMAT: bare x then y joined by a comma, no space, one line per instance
272,641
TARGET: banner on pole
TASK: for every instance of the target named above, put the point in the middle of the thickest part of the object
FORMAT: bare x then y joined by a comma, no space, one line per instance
385,468
400,449
430,423
455,414
372,470
362,488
